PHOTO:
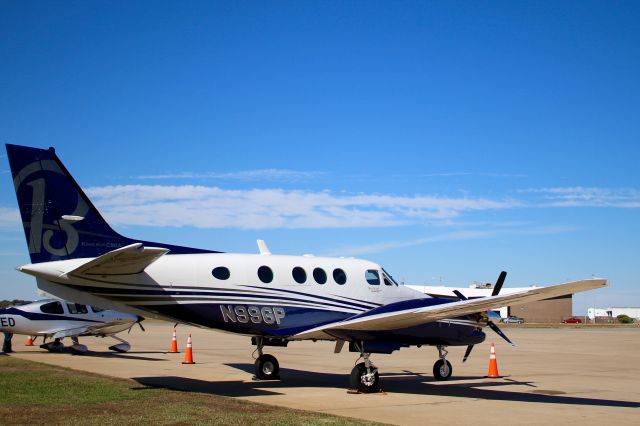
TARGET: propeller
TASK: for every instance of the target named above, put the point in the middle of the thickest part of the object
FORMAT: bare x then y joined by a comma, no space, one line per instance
460,295
139,322
468,351
499,332
496,290
498,286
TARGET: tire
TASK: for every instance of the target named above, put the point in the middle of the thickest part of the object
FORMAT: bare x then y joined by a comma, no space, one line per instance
361,383
442,371
267,367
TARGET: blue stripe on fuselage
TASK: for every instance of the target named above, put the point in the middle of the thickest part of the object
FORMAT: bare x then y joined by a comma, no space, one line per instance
36,316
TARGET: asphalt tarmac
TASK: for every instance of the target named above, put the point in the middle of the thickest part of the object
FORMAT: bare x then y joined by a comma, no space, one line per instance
568,375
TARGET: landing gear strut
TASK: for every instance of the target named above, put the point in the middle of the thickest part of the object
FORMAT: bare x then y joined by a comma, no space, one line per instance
77,348
442,369
364,376
267,367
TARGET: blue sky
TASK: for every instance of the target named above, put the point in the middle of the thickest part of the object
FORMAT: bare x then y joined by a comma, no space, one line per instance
445,140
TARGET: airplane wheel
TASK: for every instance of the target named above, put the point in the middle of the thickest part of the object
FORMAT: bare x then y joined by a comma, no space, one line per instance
363,382
442,370
267,367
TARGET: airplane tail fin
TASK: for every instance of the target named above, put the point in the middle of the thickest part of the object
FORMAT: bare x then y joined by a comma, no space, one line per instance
59,220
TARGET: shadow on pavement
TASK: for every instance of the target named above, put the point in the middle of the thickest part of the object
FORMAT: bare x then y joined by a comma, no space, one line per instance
404,383
127,355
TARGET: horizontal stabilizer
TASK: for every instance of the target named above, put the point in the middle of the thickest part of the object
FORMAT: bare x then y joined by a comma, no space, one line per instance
131,259
394,320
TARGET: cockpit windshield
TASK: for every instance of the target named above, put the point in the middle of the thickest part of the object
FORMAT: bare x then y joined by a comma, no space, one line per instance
388,279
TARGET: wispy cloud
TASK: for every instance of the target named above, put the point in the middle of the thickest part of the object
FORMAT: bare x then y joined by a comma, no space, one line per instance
579,196
462,235
213,207
388,245
245,175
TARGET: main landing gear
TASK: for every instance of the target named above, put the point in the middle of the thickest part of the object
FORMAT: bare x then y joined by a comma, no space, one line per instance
267,367
364,376
55,346
442,369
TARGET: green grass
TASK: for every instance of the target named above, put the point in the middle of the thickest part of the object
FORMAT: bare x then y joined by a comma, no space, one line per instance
33,393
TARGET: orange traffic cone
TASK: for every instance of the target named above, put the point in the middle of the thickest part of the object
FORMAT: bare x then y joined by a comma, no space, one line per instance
493,363
174,343
188,354
29,341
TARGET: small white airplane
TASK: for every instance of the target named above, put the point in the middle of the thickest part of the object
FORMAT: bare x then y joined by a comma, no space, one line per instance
57,319
76,255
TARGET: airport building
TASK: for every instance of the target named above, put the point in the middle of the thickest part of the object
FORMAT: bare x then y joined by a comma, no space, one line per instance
543,311
593,313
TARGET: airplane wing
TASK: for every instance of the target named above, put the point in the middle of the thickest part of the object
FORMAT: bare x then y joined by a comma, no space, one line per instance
131,259
85,330
70,332
383,318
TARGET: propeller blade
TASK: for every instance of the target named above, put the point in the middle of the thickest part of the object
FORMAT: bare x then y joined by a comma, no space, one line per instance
460,295
499,332
498,286
468,351
139,322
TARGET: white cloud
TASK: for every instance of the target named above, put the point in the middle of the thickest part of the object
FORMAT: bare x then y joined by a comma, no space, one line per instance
579,196
245,175
213,207
388,245
449,236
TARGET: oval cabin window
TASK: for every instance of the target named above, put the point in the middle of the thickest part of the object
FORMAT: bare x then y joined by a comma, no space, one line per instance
299,275
221,273
265,274
319,275
339,276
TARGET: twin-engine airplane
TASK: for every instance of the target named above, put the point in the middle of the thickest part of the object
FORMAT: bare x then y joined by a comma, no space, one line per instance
57,319
274,299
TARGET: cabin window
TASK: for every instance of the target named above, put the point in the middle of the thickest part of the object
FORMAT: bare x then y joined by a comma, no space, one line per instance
339,276
372,276
265,274
299,275
320,275
221,273
77,308
388,279
96,310
52,308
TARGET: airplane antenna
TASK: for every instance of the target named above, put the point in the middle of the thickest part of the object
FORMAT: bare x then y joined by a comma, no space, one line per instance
262,246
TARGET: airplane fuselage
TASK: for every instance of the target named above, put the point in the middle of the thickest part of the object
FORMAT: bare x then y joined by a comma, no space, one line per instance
46,317
270,295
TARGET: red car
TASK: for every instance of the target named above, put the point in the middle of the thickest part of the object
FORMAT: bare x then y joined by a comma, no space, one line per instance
572,320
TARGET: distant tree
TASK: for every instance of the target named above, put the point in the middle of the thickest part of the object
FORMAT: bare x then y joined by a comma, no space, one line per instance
14,302
624,319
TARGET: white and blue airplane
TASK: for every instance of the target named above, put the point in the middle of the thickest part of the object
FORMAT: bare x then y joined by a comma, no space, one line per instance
57,319
274,299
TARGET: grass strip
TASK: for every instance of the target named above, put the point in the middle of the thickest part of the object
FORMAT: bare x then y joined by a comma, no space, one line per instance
34,393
